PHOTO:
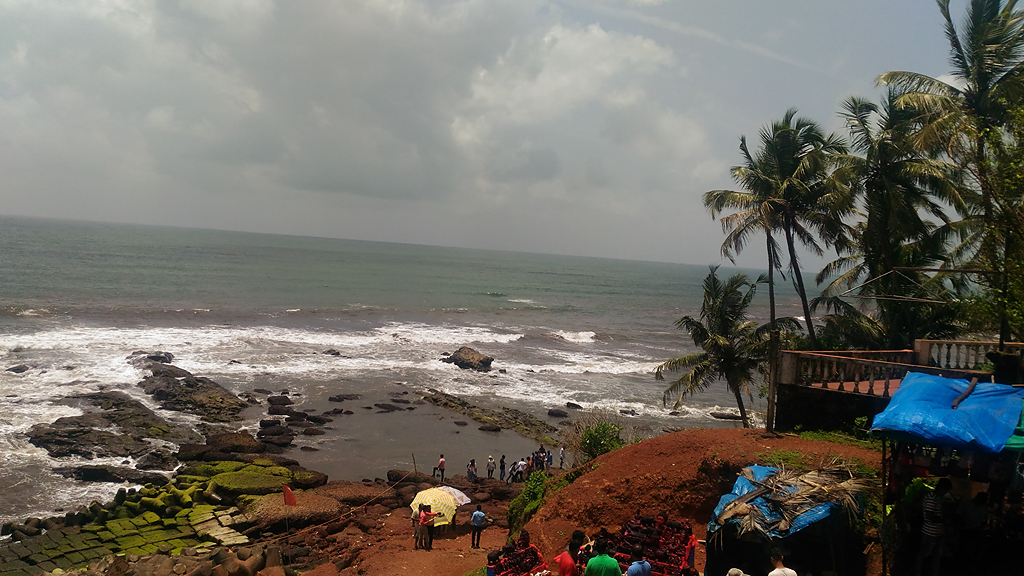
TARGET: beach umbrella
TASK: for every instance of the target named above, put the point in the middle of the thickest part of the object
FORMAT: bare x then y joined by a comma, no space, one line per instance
459,495
439,501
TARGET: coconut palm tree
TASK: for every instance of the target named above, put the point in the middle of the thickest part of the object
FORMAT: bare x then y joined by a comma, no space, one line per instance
788,188
964,116
734,348
898,186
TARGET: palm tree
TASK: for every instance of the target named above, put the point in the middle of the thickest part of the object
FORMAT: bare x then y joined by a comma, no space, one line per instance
734,348
964,117
897,184
788,187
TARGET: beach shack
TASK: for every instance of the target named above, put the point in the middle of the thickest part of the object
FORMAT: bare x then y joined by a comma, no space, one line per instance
810,516
971,433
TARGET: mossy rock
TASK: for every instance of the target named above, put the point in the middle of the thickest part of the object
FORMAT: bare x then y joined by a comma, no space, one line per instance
249,483
306,479
210,469
263,462
269,470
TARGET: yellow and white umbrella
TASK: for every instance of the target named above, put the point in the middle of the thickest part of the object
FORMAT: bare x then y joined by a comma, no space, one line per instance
439,501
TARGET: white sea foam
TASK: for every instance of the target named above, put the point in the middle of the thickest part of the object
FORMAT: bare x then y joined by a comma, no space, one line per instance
585,337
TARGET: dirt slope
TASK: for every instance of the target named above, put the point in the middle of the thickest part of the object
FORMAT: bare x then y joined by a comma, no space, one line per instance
683,473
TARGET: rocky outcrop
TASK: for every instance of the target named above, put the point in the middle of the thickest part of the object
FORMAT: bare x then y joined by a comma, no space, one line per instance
107,473
557,413
90,434
525,424
469,359
179,390
18,369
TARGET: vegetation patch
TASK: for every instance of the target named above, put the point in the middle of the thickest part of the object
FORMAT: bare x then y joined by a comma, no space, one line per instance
249,482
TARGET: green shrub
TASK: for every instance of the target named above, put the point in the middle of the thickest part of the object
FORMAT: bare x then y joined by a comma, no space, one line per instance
526,503
599,439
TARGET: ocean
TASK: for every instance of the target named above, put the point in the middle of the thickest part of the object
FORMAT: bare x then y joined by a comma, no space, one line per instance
258,310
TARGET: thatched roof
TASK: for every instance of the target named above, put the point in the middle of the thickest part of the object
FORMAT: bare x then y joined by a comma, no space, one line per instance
775,502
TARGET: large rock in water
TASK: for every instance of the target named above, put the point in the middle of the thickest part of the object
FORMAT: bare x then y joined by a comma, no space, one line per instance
177,389
469,359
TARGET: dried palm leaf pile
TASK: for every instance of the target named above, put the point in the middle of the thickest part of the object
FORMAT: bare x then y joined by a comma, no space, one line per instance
773,503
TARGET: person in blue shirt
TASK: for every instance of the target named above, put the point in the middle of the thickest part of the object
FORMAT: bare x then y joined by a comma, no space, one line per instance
639,567
478,520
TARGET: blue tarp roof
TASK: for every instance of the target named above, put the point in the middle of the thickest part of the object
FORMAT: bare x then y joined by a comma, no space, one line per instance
921,412
744,486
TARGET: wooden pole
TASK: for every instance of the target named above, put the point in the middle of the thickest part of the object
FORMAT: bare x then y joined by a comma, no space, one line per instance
414,463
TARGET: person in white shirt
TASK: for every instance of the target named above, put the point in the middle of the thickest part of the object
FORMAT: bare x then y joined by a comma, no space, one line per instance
780,570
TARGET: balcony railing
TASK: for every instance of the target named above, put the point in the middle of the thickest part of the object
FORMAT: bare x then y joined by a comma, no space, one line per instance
871,373
958,354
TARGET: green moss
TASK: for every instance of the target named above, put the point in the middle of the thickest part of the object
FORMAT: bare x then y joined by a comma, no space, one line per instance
268,470
526,503
249,483
789,459
157,431
210,469
262,462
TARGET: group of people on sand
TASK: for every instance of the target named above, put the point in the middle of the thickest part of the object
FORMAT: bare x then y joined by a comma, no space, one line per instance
541,460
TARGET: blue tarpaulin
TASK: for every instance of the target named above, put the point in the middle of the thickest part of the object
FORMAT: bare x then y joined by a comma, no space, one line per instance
744,486
921,412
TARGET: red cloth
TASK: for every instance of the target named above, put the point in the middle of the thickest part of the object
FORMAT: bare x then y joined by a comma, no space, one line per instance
566,565
427,518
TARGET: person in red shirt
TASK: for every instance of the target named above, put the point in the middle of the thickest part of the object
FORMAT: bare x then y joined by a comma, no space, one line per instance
427,519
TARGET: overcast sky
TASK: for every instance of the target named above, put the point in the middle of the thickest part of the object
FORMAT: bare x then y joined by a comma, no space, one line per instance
586,127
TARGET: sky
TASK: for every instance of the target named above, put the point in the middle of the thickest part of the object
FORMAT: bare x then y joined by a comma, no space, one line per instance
586,127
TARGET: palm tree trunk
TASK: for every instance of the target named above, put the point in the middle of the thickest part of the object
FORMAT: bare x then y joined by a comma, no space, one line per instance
739,403
794,265
773,346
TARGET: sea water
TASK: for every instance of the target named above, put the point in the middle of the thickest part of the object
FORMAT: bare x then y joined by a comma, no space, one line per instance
259,311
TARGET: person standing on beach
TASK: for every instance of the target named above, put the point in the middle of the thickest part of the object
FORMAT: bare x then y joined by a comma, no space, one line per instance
561,458
550,461
780,569
471,470
478,520
490,466
602,564
427,521
419,532
439,468
501,468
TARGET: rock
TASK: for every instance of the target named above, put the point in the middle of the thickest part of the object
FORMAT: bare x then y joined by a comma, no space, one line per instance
674,413
557,413
313,432
318,419
273,431
269,423
234,442
525,424
107,473
280,410
630,412
387,407
158,459
461,423
490,428
725,416
308,449
331,352
282,440
469,359
18,369
261,391
481,497
188,393
573,405
279,401
343,397
410,477
400,401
